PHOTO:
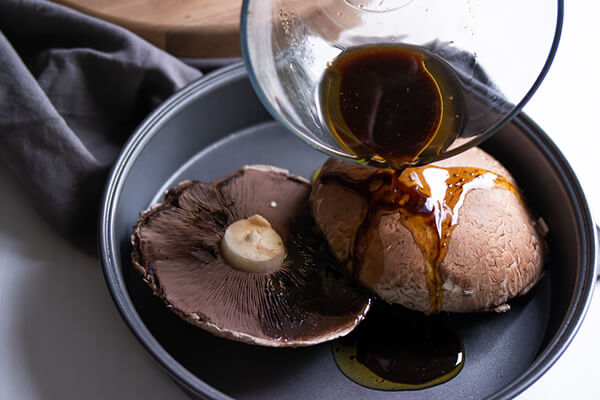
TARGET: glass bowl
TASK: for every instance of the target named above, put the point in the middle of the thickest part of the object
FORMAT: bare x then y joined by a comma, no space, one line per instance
496,54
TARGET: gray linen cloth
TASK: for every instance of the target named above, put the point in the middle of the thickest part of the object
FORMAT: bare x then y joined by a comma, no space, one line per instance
72,89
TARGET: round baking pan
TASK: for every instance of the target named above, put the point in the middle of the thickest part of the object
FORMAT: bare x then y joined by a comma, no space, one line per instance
214,126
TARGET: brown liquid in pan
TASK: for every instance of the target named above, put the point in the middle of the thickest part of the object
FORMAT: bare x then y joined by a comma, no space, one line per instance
428,200
398,349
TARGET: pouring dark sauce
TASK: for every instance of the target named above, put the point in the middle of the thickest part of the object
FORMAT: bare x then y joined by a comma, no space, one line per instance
391,105
397,106
408,350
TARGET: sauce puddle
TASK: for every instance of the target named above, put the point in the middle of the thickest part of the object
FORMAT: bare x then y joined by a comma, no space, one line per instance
398,349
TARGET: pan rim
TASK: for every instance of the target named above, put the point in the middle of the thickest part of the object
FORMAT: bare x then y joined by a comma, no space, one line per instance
582,294
108,244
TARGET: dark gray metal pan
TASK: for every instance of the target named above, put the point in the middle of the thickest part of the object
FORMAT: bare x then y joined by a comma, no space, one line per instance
216,125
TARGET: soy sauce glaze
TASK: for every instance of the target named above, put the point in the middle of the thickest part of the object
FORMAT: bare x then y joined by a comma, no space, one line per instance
428,200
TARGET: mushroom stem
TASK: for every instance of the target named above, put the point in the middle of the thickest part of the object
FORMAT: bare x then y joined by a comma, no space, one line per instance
252,245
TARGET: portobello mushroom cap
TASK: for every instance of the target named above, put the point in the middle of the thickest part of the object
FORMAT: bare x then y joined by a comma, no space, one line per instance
177,248
495,251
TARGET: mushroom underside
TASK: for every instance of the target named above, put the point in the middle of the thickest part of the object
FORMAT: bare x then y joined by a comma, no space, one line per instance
176,247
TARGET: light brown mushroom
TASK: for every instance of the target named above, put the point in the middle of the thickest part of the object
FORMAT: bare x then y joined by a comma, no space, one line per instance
494,252
178,248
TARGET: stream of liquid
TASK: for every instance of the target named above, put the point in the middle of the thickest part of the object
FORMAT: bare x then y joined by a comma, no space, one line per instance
428,200
396,106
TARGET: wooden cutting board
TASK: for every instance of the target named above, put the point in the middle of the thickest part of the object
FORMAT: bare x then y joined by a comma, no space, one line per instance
184,28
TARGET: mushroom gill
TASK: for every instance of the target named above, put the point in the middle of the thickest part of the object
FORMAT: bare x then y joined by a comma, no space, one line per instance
177,247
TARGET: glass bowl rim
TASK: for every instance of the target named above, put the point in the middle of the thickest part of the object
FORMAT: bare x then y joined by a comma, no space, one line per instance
348,157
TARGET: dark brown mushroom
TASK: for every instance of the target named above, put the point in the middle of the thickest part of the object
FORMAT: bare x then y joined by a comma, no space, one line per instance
177,248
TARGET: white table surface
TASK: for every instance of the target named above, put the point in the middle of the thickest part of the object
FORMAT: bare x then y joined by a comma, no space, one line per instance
62,338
